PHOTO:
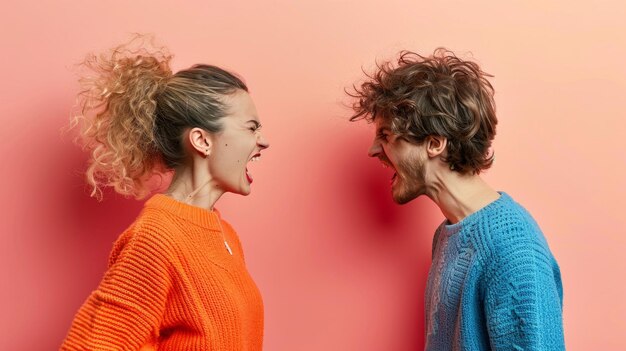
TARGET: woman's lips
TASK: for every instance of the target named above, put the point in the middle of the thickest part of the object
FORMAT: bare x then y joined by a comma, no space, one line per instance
248,176
254,158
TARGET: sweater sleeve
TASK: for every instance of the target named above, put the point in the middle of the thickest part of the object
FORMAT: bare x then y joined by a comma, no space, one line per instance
125,311
523,295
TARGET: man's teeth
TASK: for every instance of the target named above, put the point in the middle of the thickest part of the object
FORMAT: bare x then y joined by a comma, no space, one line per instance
255,158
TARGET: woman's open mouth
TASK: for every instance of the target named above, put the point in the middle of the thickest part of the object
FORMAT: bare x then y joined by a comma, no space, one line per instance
254,158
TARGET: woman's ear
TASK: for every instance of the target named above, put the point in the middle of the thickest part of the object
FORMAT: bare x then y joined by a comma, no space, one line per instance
436,145
200,141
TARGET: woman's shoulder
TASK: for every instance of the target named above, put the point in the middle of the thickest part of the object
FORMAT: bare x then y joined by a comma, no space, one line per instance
150,234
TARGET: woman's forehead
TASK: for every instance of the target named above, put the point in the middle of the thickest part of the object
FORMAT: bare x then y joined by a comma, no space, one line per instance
241,107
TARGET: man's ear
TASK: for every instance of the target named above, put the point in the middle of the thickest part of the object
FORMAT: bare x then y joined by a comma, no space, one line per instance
200,141
435,145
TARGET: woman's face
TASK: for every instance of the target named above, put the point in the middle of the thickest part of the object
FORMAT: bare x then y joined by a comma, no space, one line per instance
239,143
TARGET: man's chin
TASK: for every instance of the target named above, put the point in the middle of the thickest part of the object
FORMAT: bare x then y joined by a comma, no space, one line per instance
404,198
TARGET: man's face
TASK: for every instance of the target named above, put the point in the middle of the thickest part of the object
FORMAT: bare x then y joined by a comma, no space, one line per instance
405,158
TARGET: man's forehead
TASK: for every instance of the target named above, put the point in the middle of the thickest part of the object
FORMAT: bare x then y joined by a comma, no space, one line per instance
382,124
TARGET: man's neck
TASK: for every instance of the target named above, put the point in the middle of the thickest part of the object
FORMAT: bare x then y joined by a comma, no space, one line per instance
458,196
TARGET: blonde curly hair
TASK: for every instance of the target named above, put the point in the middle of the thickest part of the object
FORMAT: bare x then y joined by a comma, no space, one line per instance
134,112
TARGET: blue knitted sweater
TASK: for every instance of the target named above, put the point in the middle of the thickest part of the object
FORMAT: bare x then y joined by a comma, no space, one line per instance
493,284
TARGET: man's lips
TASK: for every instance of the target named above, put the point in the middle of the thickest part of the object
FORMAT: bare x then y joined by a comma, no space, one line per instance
387,164
394,179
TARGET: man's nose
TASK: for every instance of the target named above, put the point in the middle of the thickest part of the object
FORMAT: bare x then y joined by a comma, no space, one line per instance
374,150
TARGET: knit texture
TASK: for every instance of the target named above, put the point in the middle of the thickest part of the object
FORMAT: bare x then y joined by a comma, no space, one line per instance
493,284
172,285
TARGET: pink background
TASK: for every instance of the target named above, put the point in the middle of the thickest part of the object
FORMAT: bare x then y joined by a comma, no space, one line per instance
340,266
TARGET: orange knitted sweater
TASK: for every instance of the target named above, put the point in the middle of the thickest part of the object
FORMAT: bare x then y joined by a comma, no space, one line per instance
172,285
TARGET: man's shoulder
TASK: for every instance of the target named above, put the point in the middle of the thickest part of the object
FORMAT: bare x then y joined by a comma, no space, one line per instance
507,228
508,217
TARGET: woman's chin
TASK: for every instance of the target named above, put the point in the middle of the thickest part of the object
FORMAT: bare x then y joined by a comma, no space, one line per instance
244,190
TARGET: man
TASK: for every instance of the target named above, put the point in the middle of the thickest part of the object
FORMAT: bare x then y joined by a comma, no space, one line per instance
493,283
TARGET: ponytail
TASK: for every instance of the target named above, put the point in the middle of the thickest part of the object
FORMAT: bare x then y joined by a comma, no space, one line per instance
118,104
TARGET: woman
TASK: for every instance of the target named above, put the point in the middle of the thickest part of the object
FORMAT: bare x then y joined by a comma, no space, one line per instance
176,278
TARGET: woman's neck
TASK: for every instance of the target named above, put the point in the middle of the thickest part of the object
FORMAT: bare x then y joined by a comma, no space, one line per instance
195,187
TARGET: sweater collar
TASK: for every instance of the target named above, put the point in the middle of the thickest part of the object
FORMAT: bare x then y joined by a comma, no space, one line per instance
197,215
451,229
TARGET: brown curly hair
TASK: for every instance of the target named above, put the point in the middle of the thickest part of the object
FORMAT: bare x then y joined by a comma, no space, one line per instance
439,95
134,112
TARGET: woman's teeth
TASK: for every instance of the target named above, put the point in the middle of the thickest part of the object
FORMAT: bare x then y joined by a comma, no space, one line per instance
255,158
